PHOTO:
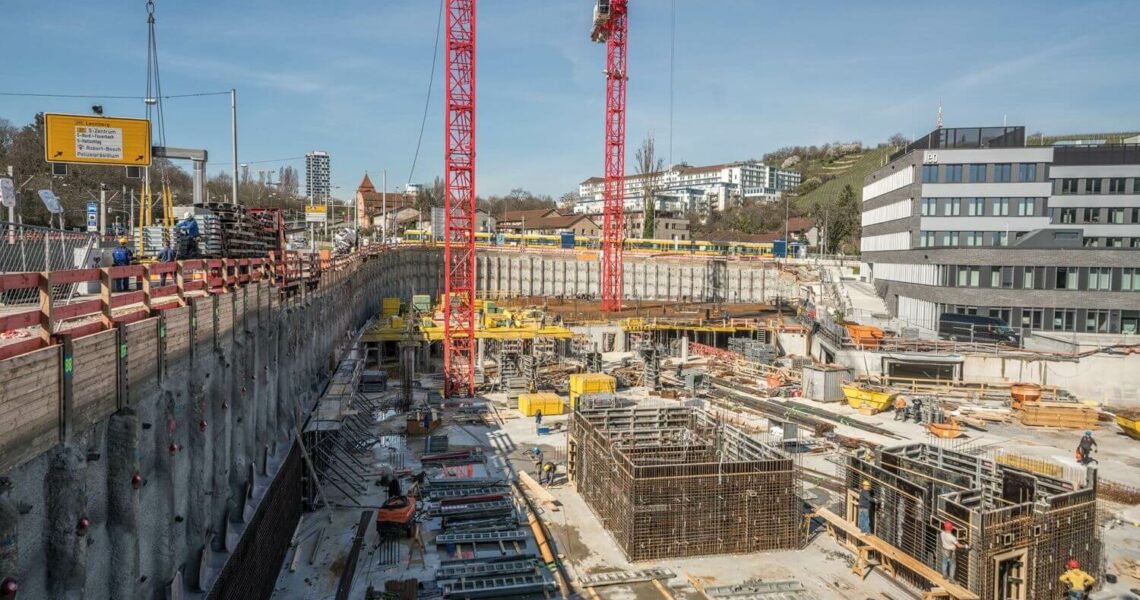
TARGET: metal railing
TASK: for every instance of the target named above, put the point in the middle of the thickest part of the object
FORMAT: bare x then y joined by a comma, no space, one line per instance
27,248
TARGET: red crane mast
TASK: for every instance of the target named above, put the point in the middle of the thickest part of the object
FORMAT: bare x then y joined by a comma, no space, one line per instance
459,202
611,27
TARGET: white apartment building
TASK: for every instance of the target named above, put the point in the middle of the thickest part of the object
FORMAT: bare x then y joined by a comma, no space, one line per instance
318,185
684,188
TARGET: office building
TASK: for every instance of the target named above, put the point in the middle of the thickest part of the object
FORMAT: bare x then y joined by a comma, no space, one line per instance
317,182
972,220
683,188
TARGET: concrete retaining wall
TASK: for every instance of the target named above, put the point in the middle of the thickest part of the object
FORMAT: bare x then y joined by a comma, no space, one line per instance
165,435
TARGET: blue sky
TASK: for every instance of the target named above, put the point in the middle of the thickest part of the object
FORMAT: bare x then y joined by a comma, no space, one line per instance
350,76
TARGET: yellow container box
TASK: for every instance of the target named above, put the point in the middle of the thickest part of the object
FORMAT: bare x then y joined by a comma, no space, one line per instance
590,383
390,306
549,404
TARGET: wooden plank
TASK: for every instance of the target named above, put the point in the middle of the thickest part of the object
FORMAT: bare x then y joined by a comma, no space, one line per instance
76,309
127,271
127,298
85,329
29,401
19,320
19,281
131,317
94,378
8,351
73,276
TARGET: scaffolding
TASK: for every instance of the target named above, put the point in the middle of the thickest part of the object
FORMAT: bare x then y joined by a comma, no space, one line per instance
1021,525
671,481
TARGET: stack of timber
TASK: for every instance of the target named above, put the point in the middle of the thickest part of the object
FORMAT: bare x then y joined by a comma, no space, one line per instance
1070,415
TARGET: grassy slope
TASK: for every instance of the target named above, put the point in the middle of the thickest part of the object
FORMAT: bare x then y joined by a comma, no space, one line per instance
853,176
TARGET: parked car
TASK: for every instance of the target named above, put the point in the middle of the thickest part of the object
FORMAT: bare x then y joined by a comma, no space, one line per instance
976,328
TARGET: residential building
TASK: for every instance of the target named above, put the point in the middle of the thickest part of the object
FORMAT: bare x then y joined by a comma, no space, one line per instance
684,188
515,221
971,220
666,226
484,222
371,204
318,185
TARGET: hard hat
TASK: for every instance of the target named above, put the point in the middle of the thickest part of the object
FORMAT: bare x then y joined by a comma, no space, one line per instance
948,526
1074,564
1088,434
122,240
186,215
866,484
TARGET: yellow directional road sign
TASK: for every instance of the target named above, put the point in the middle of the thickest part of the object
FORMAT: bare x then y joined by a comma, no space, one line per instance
92,139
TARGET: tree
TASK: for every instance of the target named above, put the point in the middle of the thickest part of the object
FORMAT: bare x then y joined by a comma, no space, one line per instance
649,166
897,139
844,222
567,201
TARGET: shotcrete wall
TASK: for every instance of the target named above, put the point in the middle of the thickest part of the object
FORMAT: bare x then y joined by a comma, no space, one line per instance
142,454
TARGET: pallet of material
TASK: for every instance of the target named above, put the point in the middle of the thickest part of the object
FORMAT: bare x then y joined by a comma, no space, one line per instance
1069,415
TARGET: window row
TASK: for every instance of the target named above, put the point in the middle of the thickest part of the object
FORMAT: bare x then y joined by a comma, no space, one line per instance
1110,185
1092,279
981,207
1113,215
979,173
1060,319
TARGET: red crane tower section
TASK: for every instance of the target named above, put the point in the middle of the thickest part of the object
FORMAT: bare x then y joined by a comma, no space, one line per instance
611,26
459,202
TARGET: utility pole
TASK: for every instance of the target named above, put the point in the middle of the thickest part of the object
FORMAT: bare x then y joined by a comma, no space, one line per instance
102,209
233,132
384,210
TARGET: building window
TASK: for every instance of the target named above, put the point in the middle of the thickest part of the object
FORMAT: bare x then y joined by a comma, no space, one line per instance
1129,321
969,276
974,238
977,173
1066,278
995,277
1092,242
1001,238
926,239
1068,215
952,239
1114,242
977,207
1002,172
1027,279
930,173
953,207
929,207
1130,280
1069,186
1064,319
1100,278
1032,317
1091,215
1001,207
953,173
1026,207
1007,279
1027,172
1096,321
1116,215
1092,186
1116,185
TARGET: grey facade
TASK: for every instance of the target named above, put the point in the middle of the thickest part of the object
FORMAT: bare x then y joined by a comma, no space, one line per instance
318,184
971,220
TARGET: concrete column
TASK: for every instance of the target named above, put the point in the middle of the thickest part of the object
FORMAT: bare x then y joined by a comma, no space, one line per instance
218,401
123,477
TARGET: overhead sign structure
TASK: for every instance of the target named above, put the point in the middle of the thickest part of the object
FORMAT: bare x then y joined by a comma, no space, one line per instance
7,193
316,213
91,139
51,201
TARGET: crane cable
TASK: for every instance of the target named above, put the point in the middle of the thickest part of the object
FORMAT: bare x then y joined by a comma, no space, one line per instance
672,51
427,100
154,109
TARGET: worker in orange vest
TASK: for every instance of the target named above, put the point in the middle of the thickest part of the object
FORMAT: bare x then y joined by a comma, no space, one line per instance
900,409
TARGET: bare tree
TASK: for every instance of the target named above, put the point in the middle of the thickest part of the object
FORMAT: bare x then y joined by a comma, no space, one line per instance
650,167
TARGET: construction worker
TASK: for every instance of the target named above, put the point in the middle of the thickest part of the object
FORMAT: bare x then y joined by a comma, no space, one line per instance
537,419
900,409
948,547
915,410
1085,448
122,256
866,504
189,228
165,255
1077,582
548,473
536,456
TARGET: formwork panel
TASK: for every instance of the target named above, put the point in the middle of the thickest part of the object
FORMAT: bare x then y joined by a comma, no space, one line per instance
142,354
29,406
177,332
673,482
95,378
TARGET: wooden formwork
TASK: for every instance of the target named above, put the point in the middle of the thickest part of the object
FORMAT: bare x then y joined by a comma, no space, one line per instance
674,482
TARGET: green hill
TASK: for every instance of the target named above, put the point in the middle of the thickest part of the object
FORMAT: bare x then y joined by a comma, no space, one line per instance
845,172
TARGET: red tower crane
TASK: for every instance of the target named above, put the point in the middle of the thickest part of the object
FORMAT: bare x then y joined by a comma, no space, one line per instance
459,202
611,27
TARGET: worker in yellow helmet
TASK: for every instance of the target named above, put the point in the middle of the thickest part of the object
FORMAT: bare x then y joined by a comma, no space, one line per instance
122,256
1077,582
866,504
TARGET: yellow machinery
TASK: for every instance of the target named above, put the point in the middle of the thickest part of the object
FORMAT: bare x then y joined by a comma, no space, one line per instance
549,404
590,383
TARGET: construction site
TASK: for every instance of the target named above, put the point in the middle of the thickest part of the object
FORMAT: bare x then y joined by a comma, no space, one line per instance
410,420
